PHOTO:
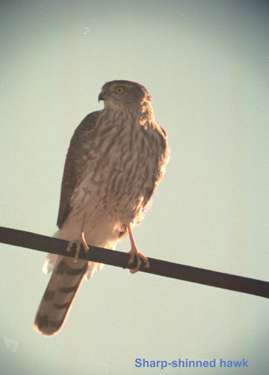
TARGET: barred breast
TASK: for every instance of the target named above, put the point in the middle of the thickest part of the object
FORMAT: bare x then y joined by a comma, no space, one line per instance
125,161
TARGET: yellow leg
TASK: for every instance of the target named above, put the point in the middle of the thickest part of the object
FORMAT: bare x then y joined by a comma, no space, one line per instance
135,253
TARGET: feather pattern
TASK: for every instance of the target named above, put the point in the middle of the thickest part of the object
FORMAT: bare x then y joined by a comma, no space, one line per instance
115,160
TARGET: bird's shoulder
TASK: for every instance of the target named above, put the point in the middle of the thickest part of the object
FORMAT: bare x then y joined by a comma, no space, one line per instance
88,122
163,139
79,141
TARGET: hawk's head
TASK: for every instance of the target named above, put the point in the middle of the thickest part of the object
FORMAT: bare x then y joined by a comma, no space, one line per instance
122,94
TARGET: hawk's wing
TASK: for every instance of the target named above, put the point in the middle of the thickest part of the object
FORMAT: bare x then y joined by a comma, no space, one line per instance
74,164
67,274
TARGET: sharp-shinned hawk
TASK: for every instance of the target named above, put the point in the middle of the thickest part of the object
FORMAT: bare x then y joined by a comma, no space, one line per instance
116,158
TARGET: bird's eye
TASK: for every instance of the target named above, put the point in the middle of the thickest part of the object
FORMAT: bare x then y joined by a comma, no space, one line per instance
119,90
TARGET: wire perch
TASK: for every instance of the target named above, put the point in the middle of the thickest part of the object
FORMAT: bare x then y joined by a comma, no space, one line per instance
119,259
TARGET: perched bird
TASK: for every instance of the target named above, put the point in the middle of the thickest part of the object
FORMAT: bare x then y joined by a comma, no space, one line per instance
116,158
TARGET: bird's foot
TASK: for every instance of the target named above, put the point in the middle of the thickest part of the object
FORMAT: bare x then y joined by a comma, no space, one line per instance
139,258
77,244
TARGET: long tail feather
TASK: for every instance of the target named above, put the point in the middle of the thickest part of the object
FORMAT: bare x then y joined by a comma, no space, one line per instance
59,295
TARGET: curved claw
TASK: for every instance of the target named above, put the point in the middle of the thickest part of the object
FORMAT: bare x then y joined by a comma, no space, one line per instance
77,244
140,259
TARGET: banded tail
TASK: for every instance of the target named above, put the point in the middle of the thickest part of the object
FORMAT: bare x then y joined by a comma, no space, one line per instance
58,297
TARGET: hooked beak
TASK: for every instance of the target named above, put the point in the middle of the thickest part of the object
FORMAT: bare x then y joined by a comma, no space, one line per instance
101,96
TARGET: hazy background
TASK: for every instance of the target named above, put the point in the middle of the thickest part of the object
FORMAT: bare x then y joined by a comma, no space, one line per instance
206,64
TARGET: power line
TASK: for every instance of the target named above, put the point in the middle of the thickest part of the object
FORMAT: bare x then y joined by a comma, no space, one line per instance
119,259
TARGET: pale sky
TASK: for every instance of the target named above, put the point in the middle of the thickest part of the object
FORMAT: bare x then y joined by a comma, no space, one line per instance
206,64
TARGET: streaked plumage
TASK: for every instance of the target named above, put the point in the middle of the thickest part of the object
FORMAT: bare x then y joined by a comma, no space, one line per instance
115,160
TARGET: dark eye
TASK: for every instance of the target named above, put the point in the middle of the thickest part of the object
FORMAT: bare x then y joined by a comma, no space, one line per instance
119,90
